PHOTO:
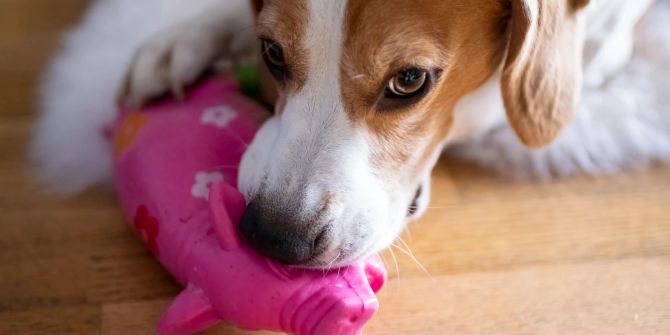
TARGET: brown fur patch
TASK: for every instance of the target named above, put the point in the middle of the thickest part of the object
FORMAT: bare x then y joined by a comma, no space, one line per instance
465,39
285,22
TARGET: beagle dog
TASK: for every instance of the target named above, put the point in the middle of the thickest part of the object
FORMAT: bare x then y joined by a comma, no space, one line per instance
367,95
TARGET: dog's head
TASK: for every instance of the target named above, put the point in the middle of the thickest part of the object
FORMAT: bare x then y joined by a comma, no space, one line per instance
366,92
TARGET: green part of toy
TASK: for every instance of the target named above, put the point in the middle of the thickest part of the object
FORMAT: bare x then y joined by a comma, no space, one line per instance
249,80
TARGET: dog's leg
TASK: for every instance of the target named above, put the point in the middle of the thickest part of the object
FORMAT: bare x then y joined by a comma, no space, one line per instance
176,39
190,43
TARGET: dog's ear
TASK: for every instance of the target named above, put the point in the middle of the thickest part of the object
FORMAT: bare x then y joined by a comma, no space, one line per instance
541,79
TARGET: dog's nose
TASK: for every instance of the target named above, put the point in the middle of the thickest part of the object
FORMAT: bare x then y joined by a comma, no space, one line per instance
275,236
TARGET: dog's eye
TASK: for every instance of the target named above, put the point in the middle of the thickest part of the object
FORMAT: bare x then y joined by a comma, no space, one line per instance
407,83
273,55
406,88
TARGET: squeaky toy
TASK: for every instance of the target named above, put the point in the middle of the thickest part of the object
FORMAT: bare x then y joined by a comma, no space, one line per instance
175,168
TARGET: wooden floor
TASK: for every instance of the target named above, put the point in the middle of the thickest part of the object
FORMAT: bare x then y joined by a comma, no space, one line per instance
585,256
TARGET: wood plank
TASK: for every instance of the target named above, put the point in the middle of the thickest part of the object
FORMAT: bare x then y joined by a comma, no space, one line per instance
140,318
628,296
29,32
57,320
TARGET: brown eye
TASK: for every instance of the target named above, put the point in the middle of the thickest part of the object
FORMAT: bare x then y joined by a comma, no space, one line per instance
273,55
407,83
407,87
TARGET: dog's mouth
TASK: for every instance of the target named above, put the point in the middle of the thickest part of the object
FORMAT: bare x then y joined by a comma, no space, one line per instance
414,206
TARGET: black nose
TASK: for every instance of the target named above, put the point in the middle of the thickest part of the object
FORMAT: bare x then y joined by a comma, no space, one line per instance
278,236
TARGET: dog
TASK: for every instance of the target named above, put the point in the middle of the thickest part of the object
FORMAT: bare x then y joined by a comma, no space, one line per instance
367,95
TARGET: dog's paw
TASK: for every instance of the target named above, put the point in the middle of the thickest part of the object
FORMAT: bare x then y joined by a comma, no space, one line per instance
168,62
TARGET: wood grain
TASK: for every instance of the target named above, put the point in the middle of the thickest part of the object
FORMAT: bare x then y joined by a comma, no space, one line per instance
582,256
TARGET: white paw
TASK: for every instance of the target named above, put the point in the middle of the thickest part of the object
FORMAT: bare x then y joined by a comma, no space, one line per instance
169,61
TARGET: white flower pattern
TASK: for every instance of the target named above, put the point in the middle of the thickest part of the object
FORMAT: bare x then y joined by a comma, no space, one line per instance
219,116
203,180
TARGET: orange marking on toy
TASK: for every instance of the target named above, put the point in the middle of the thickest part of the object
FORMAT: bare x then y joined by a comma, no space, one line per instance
129,130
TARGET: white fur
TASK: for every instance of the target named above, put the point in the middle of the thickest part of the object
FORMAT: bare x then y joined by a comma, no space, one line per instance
610,37
478,112
622,123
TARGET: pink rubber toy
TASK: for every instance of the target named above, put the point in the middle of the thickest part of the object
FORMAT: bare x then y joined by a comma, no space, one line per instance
176,172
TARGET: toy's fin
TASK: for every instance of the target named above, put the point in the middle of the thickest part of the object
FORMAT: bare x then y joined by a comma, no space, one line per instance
189,313
227,206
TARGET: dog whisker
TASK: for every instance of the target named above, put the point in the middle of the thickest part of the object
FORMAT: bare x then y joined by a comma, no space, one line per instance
410,254
241,29
358,77
232,167
395,262
330,265
433,207
408,232
238,138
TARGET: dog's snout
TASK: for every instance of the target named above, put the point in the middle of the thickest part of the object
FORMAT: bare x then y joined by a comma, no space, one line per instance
280,236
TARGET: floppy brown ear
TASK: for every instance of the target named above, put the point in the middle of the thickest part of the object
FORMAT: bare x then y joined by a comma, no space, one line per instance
541,79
